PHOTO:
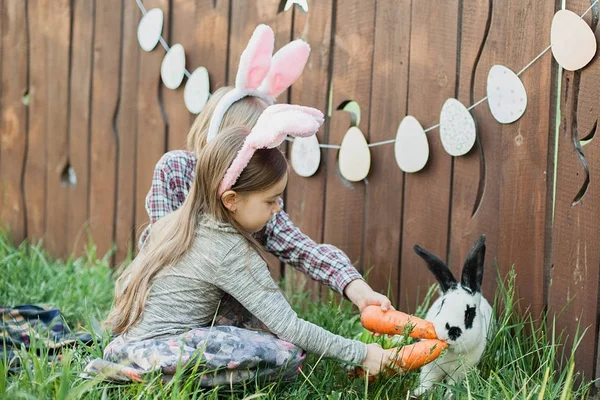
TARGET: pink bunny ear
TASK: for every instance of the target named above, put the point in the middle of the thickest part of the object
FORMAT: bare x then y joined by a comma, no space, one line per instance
270,131
277,108
254,66
286,68
280,120
255,60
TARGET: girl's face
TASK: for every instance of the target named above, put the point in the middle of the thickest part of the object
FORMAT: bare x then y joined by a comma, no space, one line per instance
252,211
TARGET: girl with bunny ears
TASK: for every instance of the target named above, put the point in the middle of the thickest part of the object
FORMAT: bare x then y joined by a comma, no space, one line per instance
166,301
261,77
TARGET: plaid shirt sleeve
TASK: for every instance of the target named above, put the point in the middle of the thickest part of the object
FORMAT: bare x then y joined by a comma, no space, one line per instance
322,262
171,182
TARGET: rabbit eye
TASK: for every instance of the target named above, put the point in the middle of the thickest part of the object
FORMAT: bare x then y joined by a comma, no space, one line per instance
470,313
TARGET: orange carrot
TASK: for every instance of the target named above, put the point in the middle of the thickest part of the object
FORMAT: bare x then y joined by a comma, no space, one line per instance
416,355
393,322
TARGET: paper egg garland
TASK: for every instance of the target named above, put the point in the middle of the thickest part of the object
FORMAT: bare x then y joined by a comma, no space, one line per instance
573,45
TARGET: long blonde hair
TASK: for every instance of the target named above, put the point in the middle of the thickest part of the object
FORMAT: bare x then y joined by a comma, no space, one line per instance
244,112
172,236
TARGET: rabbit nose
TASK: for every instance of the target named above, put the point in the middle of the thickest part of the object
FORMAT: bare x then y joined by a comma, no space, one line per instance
454,332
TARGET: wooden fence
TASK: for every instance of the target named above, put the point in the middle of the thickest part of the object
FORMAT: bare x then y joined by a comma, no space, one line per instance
84,118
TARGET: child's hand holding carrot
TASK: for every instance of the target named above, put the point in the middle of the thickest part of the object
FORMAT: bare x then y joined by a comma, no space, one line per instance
405,358
378,359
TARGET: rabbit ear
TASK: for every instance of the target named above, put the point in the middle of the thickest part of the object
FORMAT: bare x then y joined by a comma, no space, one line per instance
286,67
438,268
255,60
472,273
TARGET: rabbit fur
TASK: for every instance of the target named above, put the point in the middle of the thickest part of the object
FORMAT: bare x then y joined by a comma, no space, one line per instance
461,316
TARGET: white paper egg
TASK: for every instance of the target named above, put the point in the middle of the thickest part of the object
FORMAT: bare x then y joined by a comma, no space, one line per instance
457,128
150,28
197,90
507,97
355,157
411,147
573,42
302,3
172,68
305,156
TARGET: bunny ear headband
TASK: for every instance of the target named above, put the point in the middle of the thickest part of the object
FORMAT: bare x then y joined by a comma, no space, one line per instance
270,131
262,74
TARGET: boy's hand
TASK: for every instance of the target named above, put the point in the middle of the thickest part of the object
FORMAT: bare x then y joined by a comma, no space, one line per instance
361,294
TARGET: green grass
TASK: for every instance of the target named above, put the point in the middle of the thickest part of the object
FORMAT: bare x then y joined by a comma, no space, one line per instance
522,360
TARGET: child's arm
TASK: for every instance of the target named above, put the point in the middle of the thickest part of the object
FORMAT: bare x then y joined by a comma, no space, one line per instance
322,262
245,276
172,178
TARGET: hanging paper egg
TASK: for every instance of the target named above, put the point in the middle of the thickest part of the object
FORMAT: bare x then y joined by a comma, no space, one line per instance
302,3
573,42
457,128
197,90
507,97
411,147
354,157
305,156
150,28
172,68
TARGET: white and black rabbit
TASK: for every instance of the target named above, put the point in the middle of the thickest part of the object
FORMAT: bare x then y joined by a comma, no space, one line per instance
461,316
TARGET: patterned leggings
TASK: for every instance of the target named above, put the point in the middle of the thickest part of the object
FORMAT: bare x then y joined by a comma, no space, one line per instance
222,354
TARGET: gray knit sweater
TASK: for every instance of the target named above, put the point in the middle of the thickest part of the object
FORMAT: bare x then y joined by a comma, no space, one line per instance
186,295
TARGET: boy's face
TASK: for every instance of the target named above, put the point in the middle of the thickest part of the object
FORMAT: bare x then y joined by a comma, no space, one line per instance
254,210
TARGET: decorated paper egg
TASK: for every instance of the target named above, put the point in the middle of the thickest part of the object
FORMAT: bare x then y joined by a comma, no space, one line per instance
507,97
457,128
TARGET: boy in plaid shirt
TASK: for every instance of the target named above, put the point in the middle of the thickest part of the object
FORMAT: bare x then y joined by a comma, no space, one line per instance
173,177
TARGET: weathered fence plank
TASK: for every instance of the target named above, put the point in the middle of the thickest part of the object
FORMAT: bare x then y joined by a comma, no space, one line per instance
352,63
575,268
82,53
126,126
388,105
305,196
427,194
104,139
13,116
152,126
